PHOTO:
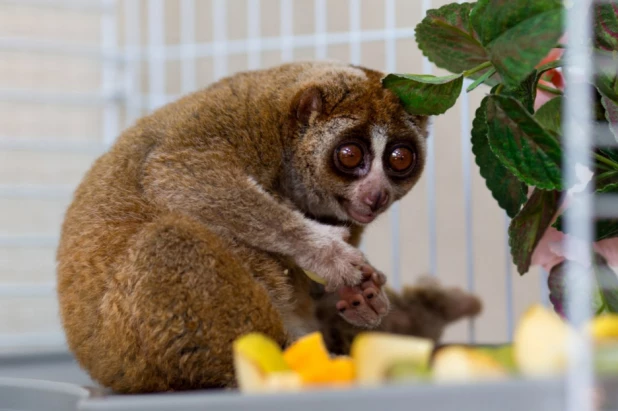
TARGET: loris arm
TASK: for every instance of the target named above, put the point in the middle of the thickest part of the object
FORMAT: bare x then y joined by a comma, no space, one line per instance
231,203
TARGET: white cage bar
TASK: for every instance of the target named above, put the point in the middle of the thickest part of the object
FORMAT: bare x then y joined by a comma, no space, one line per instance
576,121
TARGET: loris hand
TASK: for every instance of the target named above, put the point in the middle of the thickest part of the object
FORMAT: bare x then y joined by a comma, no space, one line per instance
364,305
330,257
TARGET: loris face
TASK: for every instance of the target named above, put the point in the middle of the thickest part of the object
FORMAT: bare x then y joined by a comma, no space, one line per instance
356,151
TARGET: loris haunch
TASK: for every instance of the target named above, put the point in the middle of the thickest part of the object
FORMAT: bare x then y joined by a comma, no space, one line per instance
423,310
196,226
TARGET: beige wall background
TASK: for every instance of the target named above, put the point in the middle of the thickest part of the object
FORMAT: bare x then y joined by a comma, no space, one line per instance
46,146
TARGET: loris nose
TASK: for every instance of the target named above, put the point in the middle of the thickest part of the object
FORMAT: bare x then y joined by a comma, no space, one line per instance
376,200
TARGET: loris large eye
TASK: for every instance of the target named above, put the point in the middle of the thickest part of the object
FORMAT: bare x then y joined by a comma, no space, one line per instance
401,160
349,156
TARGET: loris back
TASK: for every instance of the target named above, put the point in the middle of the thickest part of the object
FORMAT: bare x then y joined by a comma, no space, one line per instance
196,226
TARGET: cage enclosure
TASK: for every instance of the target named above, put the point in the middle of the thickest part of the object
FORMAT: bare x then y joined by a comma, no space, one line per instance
75,73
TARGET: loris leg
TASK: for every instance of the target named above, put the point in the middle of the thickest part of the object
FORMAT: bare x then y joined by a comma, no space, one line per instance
187,298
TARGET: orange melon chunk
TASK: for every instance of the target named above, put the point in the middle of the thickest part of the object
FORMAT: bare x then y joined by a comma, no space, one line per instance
310,359
336,371
308,351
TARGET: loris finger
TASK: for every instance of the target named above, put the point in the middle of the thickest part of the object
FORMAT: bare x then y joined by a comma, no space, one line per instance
376,276
370,272
379,278
373,292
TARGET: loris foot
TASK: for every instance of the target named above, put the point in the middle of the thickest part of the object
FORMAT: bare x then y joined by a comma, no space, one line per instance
366,304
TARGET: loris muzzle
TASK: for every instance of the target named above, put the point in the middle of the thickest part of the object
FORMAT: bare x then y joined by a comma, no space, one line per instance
198,225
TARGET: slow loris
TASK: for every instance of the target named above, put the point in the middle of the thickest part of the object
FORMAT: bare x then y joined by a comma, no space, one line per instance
196,226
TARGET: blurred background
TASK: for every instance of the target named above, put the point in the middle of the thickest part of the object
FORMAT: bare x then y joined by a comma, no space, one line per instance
74,74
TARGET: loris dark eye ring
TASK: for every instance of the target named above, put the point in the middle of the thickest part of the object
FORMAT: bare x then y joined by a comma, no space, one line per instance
349,156
401,160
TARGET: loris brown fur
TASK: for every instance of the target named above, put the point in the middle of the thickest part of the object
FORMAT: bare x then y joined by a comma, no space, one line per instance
196,226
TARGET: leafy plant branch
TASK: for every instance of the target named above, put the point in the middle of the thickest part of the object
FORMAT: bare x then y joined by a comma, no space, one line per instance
518,149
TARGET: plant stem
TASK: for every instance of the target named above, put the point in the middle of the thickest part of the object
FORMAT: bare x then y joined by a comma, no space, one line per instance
550,89
550,65
476,69
606,161
499,88
605,168
606,174
481,79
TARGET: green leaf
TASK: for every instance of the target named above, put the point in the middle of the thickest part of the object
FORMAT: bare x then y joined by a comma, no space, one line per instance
607,282
506,189
606,27
550,65
481,79
605,229
525,92
492,18
529,225
425,94
606,83
610,153
605,183
517,51
549,116
557,285
611,114
522,144
445,38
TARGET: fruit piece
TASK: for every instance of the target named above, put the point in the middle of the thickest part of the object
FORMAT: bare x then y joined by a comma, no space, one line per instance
313,276
308,350
604,327
342,369
336,371
288,381
606,359
309,357
408,371
504,354
375,353
255,357
249,377
263,351
540,343
457,363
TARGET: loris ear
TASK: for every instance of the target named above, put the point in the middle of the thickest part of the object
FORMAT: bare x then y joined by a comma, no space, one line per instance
422,123
309,103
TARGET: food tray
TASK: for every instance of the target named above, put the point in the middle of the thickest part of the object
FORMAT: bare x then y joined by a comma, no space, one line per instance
511,396
33,395
59,366
54,382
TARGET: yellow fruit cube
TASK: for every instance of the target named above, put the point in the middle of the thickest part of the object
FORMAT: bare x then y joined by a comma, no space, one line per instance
604,327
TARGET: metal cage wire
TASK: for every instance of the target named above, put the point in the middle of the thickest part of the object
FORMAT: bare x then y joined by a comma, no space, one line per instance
120,90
